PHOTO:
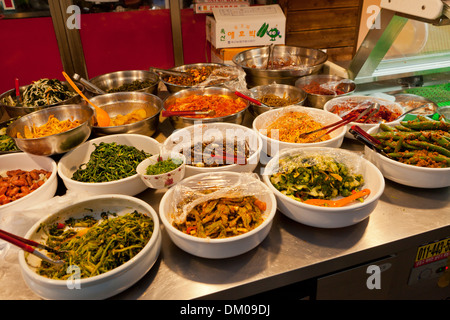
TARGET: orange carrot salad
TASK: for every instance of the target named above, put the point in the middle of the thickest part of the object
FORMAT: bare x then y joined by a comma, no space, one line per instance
53,126
222,105
292,124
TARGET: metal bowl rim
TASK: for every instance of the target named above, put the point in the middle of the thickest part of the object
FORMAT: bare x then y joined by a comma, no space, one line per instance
30,115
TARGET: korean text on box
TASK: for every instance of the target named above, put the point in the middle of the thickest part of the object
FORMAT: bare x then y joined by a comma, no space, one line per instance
246,26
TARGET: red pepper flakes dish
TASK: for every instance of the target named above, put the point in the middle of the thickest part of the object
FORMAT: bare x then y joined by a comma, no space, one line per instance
15,184
292,124
222,105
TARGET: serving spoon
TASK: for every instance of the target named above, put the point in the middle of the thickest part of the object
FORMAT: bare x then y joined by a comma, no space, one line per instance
103,119
338,203
88,84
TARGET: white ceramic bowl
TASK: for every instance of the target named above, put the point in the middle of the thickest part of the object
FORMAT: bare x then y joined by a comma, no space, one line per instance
408,175
329,217
163,180
218,248
104,285
28,162
182,140
272,146
131,186
393,106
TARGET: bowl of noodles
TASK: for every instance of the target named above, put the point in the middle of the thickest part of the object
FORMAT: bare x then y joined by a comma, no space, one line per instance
282,128
118,238
238,211
53,130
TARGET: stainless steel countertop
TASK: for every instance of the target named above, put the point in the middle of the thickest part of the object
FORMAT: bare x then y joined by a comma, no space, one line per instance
405,217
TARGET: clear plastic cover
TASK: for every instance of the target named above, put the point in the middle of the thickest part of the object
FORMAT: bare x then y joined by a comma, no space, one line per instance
189,193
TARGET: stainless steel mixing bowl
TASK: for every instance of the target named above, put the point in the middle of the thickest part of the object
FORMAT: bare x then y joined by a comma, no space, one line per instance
55,143
319,100
125,102
296,95
16,111
253,61
116,79
179,122
232,71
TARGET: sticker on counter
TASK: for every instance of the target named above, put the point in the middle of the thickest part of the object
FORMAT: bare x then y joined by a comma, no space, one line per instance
432,252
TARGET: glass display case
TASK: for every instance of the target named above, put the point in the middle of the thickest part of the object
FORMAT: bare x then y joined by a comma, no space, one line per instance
406,49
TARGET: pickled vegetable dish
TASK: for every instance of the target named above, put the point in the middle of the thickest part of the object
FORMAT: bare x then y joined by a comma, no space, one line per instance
95,246
421,142
385,114
302,178
132,86
222,105
223,217
196,76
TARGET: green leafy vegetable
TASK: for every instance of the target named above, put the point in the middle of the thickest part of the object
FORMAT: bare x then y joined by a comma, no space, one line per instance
99,247
110,162
163,166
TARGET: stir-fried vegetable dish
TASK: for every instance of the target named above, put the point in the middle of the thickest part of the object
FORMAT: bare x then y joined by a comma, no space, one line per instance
42,93
223,217
132,86
163,166
221,105
6,142
110,162
289,126
303,178
95,246
53,126
420,142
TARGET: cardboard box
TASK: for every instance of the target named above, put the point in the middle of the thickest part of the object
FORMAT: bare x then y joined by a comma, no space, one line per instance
225,55
246,26
207,6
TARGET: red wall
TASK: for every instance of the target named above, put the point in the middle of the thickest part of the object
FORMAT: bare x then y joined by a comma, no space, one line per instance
29,51
111,42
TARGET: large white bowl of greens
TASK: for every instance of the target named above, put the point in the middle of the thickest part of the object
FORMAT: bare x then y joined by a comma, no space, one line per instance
300,178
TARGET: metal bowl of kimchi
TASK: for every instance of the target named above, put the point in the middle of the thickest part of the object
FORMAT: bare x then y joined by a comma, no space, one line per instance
281,129
225,104
225,235
53,130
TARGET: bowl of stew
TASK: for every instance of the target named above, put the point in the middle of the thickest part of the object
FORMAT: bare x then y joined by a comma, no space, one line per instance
389,111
